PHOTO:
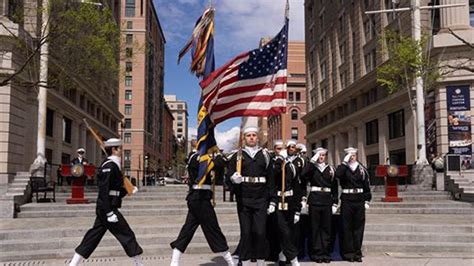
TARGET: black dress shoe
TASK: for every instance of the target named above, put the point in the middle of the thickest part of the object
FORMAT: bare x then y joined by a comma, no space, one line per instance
319,261
327,260
358,259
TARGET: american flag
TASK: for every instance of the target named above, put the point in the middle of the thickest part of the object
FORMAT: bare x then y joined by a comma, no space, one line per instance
251,84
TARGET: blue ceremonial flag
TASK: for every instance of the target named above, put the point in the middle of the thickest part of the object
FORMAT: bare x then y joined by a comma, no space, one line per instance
201,45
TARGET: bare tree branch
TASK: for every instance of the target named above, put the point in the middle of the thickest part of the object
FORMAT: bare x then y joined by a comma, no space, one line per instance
461,39
20,70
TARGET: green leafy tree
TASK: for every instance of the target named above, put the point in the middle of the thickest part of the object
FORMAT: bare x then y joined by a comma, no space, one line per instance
407,61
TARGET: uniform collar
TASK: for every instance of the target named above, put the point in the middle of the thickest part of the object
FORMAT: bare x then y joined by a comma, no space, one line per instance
321,166
353,165
116,160
251,151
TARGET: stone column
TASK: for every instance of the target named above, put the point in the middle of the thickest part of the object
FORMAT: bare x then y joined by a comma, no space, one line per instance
383,136
338,149
454,17
331,150
360,145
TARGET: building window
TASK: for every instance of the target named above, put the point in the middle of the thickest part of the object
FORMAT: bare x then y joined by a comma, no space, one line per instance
128,109
180,118
298,96
180,130
128,123
396,124
49,122
369,29
127,158
372,132
65,158
342,52
370,61
67,129
291,96
323,68
129,52
180,106
471,12
128,81
180,124
324,143
129,39
294,133
128,66
294,114
127,137
128,95
129,25
130,8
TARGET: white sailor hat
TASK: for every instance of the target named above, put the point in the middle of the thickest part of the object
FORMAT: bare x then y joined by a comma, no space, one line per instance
113,142
320,150
350,150
278,142
250,129
300,146
81,150
290,142
303,148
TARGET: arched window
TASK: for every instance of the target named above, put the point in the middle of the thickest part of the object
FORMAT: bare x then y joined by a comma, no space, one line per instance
294,114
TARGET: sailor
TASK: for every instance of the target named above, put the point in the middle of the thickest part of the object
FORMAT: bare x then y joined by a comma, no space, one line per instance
272,223
289,208
201,213
323,199
255,194
109,201
354,180
80,159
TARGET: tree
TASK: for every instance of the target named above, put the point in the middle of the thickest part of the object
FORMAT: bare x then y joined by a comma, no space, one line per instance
409,59
85,45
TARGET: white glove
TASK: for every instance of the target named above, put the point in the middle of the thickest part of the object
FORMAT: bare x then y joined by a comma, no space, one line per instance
347,157
236,178
135,190
297,218
334,208
366,205
314,159
304,206
112,217
271,208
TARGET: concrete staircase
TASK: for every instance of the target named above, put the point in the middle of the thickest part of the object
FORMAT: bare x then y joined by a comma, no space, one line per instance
425,222
16,194
461,184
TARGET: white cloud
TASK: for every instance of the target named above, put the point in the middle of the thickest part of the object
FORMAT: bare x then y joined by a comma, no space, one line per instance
244,22
225,139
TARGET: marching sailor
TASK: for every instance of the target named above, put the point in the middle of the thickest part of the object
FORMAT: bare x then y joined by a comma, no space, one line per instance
256,197
201,213
109,200
289,208
323,199
354,180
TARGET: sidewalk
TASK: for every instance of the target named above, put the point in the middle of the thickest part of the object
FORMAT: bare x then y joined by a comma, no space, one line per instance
212,259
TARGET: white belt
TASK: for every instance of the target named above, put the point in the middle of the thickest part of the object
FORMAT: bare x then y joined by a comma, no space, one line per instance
320,189
353,190
203,187
282,207
251,179
287,193
114,193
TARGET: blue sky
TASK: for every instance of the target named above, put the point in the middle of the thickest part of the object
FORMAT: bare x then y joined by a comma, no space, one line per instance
239,26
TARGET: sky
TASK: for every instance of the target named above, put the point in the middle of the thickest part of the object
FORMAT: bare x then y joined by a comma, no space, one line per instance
239,25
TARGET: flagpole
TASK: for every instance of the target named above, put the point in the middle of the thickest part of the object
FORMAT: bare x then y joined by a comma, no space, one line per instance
239,152
283,129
